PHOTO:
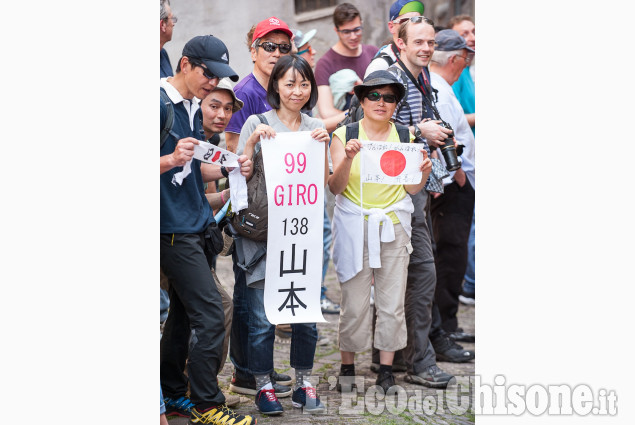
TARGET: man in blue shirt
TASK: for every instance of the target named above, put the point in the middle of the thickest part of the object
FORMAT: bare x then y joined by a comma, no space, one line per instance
194,330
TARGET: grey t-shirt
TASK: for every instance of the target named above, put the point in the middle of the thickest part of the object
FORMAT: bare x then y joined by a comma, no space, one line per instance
249,248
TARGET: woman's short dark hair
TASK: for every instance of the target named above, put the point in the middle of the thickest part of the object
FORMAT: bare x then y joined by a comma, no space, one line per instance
280,68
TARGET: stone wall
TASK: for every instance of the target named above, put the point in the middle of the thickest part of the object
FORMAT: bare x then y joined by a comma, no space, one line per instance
230,21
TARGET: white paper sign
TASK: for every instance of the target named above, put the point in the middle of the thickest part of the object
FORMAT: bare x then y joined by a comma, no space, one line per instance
206,152
294,170
391,163
211,154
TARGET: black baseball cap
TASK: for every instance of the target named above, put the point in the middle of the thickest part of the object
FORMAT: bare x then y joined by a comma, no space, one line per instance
213,53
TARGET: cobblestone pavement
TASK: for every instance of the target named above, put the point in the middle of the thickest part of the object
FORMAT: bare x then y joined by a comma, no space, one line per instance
415,404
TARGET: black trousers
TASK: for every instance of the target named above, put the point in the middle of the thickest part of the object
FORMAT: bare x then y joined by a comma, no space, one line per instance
451,222
194,330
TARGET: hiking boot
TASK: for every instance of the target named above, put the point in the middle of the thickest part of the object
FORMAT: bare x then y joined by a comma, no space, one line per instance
449,351
432,377
385,380
307,398
248,387
219,415
267,402
328,306
181,406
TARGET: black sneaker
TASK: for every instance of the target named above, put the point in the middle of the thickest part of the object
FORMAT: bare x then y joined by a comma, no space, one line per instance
432,377
385,380
346,385
248,387
449,351
280,378
459,335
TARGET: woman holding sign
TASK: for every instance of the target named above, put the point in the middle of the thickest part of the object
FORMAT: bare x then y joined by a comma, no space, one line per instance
358,254
291,88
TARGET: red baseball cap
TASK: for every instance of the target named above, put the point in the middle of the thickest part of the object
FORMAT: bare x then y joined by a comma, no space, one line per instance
271,24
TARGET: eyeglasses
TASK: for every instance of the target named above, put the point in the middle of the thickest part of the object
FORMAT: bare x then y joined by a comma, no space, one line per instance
388,98
174,19
355,30
271,47
414,20
304,51
206,72
466,58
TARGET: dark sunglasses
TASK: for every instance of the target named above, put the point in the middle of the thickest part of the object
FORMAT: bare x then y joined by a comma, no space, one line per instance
206,72
374,97
271,47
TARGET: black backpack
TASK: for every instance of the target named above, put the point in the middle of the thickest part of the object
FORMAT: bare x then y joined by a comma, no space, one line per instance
251,222
355,113
352,132
169,122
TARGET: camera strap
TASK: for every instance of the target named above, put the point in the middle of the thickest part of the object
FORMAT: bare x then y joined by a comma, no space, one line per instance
421,84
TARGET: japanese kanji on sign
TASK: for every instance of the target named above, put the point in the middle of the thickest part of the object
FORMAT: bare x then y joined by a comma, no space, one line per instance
391,163
294,169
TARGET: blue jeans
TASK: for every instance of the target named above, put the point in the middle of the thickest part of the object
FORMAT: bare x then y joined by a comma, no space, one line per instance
262,335
240,319
327,245
164,305
470,271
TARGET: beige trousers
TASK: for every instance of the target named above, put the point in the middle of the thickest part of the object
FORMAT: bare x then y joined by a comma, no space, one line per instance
390,289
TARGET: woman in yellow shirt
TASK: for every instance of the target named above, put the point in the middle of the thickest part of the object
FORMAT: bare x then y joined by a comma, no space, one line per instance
378,95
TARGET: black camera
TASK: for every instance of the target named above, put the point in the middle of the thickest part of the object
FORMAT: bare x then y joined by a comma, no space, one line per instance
450,150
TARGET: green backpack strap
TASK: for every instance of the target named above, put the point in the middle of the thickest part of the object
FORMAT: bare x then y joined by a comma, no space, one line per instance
169,121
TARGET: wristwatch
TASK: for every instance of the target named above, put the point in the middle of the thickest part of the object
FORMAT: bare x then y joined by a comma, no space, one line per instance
223,171
417,132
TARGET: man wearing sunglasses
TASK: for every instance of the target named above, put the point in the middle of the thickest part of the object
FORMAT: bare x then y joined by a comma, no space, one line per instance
271,40
194,330
347,53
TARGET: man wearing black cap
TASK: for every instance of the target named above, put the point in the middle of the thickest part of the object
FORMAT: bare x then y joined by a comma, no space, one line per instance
194,329
452,211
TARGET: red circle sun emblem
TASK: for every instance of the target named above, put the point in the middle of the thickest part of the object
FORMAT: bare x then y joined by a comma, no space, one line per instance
392,163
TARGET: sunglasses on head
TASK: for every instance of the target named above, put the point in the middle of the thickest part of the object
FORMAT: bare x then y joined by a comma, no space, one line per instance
270,47
388,98
414,20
